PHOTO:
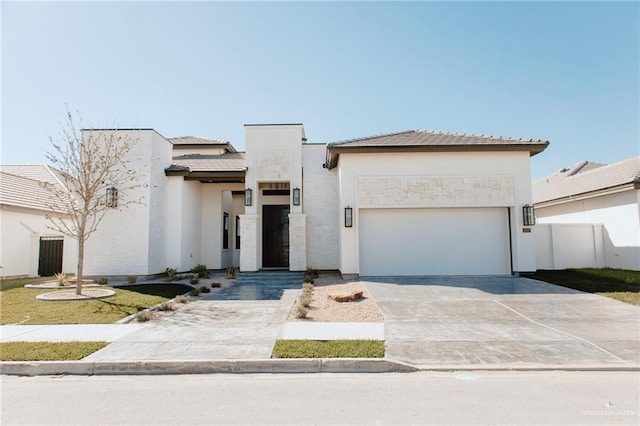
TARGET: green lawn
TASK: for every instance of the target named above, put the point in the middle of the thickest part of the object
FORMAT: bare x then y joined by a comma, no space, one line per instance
619,284
48,351
18,305
328,349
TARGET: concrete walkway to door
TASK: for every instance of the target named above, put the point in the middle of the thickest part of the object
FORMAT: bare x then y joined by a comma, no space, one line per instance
503,322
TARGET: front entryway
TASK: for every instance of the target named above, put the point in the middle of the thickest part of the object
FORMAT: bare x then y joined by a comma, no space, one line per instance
275,236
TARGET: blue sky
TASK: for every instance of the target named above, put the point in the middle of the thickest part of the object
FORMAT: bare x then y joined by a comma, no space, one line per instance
567,72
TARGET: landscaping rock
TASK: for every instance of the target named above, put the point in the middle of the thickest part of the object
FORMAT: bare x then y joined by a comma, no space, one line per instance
346,297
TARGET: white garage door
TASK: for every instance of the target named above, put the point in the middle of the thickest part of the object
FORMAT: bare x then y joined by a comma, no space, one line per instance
456,241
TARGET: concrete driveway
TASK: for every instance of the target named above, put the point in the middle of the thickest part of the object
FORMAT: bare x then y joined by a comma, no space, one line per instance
503,321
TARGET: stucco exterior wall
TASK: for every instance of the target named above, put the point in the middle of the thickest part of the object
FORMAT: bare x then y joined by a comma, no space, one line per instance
216,200
404,180
191,204
320,204
619,215
20,232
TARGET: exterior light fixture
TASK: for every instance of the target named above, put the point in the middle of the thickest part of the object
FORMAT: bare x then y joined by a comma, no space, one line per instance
296,196
348,217
248,197
112,197
528,215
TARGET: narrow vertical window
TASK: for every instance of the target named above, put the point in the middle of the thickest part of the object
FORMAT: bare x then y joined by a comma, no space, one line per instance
225,231
237,232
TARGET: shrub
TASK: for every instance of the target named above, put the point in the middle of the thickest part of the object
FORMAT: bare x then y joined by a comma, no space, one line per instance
144,316
216,285
165,307
231,272
301,311
62,279
171,274
305,299
181,299
312,272
308,279
131,279
195,292
204,289
102,280
201,270
194,278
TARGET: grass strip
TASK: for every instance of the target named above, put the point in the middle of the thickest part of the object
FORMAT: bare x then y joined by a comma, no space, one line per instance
328,349
48,351
619,284
19,306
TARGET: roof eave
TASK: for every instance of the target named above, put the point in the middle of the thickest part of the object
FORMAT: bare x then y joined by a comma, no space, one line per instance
589,194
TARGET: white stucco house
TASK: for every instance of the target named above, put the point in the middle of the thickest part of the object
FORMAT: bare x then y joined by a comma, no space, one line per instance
407,203
27,246
589,216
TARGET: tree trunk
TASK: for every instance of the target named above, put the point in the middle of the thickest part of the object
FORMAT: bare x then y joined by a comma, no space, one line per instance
80,264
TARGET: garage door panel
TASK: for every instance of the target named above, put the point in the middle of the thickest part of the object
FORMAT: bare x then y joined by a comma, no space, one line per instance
434,241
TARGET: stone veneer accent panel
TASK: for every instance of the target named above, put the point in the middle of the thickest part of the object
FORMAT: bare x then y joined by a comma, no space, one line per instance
273,165
297,242
435,191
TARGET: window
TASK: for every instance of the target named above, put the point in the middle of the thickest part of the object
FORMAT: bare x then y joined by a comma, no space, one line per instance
225,231
237,232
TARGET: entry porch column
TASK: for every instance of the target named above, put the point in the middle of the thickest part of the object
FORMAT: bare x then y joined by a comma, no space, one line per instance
248,243
297,242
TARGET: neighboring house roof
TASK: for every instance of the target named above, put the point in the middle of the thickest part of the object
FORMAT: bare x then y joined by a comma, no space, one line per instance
227,167
38,172
424,141
200,141
28,192
587,178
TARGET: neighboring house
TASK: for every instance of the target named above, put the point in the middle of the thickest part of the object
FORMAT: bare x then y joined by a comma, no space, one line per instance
407,203
28,247
589,216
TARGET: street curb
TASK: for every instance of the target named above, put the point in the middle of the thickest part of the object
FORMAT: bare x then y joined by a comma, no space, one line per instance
252,366
89,368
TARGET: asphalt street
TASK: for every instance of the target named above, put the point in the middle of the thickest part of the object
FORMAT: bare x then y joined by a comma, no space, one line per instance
552,397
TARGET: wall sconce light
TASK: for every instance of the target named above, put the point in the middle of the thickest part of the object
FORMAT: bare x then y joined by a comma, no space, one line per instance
296,196
248,195
112,197
348,217
528,215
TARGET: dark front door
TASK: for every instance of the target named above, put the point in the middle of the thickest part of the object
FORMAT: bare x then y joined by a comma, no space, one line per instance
275,236
50,261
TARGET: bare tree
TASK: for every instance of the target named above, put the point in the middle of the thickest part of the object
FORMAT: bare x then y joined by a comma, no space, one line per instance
96,171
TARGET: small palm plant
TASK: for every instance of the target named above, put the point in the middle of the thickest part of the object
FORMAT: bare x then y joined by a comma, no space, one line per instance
62,279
